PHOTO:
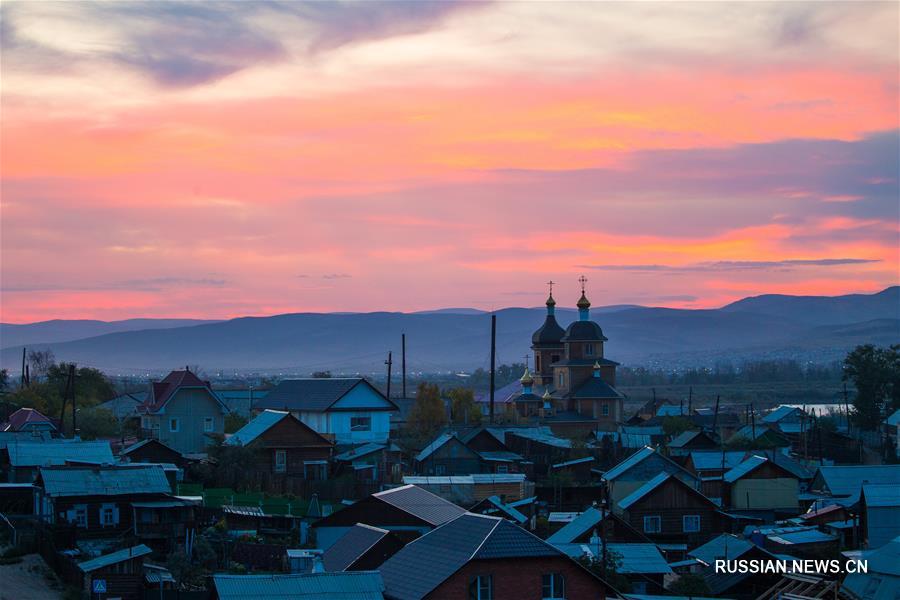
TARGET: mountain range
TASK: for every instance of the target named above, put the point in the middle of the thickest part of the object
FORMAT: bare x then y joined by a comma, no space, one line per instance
807,328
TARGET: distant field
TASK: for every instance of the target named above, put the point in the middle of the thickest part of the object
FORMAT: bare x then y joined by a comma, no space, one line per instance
762,395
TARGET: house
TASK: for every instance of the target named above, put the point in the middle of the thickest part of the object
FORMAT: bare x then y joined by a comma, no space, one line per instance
447,455
690,441
788,419
372,462
760,436
882,582
351,410
482,557
126,407
409,511
760,484
593,521
253,520
240,400
152,451
732,585
844,483
710,465
668,510
642,564
183,412
23,459
107,501
121,573
29,419
892,429
284,446
362,548
466,490
879,514
805,543
538,445
358,585
496,507
639,468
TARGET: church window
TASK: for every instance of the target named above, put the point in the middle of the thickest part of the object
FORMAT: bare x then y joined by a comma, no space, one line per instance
537,362
606,410
562,380
588,349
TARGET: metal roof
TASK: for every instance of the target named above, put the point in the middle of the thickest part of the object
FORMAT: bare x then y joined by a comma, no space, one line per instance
500,456
104,481
643,429
848,480
577,527
575,461
645,489
243,511
173,503
355,585
744,468
894,419
632,558
507,509
350,546
670,410
360,451
256,427
683,438
42,454
114,558
779,413
712,460
809,536
473,479
423,564
420,503
434,445
540,434
314,394
725,545
594,387
629,462
881,495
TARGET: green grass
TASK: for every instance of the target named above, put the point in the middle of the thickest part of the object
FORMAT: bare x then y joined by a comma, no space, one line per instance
275,505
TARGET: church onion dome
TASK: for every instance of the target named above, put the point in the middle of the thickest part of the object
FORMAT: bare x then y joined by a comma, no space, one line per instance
583,302
584,331
551,301
549,333
526,379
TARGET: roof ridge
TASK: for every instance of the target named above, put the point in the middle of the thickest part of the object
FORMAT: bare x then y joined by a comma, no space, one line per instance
489,534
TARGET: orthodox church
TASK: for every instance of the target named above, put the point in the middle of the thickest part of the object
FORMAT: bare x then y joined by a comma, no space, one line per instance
573,384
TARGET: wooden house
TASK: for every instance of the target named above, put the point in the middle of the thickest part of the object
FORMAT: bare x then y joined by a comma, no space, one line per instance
447,455
760,484
690,441
362,548
153,451
641,467
284,446
119,574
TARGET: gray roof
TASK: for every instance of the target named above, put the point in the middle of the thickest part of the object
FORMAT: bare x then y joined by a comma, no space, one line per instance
350,546
882,582
421,503
636,458
420,567
684,438
354,585
507,509
114,558
42,454
584,331
256,427
712,460
142,443
632,558
594,387
126,405
574,461
809,536
104,481
434,445
313,394
779,413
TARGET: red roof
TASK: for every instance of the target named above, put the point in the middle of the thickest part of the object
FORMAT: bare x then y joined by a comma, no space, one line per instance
24,416
163,390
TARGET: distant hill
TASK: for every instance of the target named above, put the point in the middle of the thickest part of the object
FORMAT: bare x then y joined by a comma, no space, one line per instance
763,327
59,330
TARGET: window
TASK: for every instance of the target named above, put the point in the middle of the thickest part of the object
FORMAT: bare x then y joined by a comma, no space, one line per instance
360,423
80,515
440,469
553,586
690,523
481,588
173,425
280,461
107,515
537,363
652,524
503,468
208,424
588,349
605,410
562,380
315,469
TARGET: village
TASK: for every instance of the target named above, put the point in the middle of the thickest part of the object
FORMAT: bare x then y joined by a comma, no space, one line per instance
332,487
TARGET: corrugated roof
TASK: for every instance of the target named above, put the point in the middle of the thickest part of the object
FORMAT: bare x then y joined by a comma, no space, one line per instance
848,480
810,536
577,527
256,427
474,478
725,545
670,410
353,585
683,438
104,481
500,456
631,558
421,503
508,510
434,445
744,468
540,434
360,451
422,565
643,429
43,454
629,462
114,558
350,546
645,489
894,419
575,461
314,394
712,460
779,413
880,495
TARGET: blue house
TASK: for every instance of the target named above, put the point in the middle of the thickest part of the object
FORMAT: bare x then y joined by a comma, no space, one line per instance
350,409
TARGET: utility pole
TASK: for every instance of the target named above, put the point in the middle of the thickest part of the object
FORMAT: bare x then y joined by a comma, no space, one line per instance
716,416
753,423
389,362
403,360
25,376
691,400
847,408
493,362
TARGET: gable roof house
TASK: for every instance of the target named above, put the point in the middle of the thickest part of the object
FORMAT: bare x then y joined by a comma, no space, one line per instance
349,409
362,548
879,518
372,462
761,484
28,419
670,511
594,521
845,483
477,556
882,582
733,585
689,441
642,564
409,511
152,451
22,460
183,412
285,446
638,469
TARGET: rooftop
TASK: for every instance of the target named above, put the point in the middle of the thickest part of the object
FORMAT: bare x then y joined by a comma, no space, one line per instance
58,452
104,481
352,545
114,558
420,503
354,585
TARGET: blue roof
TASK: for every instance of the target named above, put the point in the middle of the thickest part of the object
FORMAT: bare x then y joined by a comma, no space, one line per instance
643,490
848,480
434,445
575,461
360,451
104,481
54,453
114,558
643,429
508,510
577,527
632,558
744,468
809,536
712,460
351,585
894,419
683,438
629,462
779,413
670,410
256,427
720,547
879,495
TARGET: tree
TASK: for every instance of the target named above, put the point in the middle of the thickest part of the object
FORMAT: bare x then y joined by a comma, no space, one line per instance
673,426
40,362
875,372
96,423
463,409
427,414
690,585
4,380
234,421
610,574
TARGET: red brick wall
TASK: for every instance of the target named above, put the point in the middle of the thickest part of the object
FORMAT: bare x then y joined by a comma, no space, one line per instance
520,579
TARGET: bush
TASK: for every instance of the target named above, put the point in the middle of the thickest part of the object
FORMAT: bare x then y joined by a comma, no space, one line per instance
12,560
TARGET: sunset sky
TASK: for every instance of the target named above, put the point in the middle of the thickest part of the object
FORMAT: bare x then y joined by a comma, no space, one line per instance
219,160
